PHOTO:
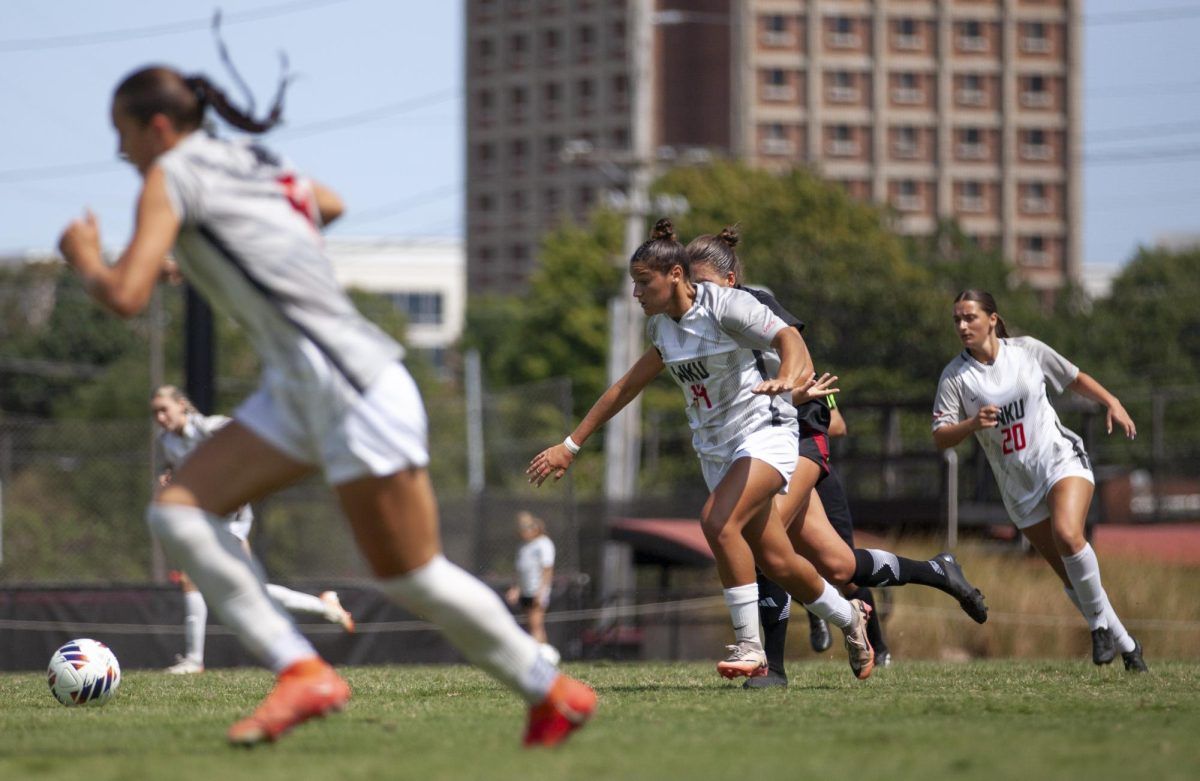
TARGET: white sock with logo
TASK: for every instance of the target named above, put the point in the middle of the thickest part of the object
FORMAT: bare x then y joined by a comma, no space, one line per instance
832,607
230,580
742,602
194,623
476,621
1121,636
1084,573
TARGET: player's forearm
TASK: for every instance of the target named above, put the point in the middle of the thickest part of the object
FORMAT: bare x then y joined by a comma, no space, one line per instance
950,435
612,401
1087,386
793,357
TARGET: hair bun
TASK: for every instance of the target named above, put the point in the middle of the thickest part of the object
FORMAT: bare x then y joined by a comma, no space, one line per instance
663,229
729,235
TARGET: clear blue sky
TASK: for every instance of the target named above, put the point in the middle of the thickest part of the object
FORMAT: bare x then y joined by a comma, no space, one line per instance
376,111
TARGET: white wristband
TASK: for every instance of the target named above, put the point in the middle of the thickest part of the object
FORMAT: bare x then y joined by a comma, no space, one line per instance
570,445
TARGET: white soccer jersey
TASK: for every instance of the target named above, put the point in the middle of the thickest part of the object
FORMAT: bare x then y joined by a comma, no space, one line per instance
1030,445
248,243
711,354
532,559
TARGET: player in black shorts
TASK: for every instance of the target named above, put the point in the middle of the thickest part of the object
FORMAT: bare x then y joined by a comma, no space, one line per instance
713,260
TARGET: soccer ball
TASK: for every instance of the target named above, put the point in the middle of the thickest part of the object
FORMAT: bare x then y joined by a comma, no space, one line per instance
83,672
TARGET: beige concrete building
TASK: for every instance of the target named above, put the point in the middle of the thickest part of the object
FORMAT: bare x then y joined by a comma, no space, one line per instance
967,109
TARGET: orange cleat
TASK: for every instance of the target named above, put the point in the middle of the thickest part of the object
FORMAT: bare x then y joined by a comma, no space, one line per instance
567,707
307,689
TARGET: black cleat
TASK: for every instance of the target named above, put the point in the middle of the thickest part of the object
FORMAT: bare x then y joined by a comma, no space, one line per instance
1134,662
818,634
771,680
970,599
1104,648
883,658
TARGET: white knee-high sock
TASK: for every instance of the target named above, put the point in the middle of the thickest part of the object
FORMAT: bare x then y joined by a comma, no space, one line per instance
194,622
476,621
296,601
742,602
1121,636
832,607
230,581
1084,573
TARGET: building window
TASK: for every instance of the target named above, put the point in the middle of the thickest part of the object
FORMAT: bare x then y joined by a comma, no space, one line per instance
970,92
620,138
842,143
775,140
1036,200
843,35
551,199
551,45
485,202
1034,39
843,90
518,153
485,156
425,308
776,32
1035,147
970,144
908,196
585,91
1033,251
970,36
907,143
777,86
908,89
518,48
1036,93
971,199
585,37
908,35
620,92
517,99
616,39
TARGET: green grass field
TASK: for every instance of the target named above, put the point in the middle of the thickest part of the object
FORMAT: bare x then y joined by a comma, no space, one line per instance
919,720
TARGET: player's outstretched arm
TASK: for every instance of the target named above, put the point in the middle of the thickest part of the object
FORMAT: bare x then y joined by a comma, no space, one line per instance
1087,386
329,204
555,460
126,286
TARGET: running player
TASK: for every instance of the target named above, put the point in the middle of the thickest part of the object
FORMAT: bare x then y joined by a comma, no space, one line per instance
746,438
182,429
996,389
829,546
334,397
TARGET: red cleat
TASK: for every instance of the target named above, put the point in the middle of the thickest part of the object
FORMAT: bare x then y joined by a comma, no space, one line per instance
307,689
568,705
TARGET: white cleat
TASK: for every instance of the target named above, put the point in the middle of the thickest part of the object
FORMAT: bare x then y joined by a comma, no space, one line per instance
334,612
185,665
745,659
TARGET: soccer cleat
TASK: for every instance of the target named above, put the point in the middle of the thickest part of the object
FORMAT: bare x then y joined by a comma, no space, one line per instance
883,658
1104,646
818,634
862,656
307,689
745,659
185,665
334,612
771,680
567,707
1134,662
970,599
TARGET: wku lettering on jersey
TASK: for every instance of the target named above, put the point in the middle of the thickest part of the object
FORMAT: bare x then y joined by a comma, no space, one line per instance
692,371
1011,412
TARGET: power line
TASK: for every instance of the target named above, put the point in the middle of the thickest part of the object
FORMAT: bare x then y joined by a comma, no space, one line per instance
404,204
299,131
1142,131
151,31
1143,155
1138,90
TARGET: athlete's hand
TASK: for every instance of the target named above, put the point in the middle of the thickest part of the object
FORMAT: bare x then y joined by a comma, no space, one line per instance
986,417
814,388
512,595
1117,412
774,387
551,461
80,241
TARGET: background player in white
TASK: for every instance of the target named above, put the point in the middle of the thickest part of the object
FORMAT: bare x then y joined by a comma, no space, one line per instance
745,436
182,429
996,390
334,397
535,576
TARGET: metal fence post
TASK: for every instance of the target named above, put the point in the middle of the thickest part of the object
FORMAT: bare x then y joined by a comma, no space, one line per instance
951,456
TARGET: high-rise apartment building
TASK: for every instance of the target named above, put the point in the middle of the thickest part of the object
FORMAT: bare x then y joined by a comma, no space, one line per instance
964,109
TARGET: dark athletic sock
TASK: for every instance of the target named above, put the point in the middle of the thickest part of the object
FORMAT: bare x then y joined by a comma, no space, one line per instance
883,568
874,628
774,607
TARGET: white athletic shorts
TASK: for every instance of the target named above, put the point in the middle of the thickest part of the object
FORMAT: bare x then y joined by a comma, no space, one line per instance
239,522
321,420
776,445
1033,509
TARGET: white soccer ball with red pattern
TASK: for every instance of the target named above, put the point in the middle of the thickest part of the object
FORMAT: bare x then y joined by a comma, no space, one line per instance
83,672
